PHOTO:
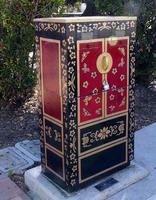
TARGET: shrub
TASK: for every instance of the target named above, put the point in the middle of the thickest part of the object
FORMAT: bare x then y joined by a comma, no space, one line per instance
146,41
110,7
17,73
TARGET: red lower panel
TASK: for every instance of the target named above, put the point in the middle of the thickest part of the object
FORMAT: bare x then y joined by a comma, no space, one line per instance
91,107
116,100
51,82
52,105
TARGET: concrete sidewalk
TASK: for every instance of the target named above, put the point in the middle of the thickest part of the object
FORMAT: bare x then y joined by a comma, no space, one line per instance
145,155
10,191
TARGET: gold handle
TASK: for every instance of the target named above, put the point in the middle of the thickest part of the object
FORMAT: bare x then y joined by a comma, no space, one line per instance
104,63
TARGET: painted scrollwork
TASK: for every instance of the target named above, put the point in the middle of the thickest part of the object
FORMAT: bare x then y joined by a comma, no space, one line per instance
102,134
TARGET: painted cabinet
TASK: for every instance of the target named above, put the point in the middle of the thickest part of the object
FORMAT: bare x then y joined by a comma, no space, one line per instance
86,73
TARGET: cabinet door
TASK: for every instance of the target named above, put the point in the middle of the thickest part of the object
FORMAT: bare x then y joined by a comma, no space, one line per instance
93,102
118,77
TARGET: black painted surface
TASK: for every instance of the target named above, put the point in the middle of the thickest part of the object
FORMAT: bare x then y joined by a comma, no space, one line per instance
52,138
103,160
54,162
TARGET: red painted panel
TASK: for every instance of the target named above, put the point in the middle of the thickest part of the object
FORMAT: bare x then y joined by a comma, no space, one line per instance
90,81
90,78
116,100
91,107
51,87
118,74
117,77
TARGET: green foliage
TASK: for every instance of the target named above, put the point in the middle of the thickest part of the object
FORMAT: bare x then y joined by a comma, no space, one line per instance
17,73
10,173
110,7
146,41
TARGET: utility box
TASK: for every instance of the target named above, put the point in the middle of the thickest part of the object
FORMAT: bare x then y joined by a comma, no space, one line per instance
86,72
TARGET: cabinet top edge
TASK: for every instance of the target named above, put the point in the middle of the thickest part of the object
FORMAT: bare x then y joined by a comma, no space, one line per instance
85,19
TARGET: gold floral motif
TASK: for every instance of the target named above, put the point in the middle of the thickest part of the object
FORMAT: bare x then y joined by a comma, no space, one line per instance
71,27
131,48
71,83
97,100
84,55
121,64
72,133
112,108
63,30
133,59
58,137
93,75
48,131
111,97
85,68
86,112
87,99
72,144
122,77
73,182
113,25
85,140
113,87
104,133
71,95
72,55
74,168
72,156
73,107
72,124
121,91
133,34
70,40
95,91
122,102
95,26
85,84
64,43
98,111
114,71
132,24
71,70
123,26
104,26
84,29
122,50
